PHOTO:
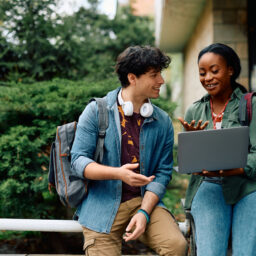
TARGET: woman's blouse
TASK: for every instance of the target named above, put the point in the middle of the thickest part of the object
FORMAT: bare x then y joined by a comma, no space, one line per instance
234,187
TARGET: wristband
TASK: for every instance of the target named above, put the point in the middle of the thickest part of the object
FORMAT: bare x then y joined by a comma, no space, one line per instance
145,214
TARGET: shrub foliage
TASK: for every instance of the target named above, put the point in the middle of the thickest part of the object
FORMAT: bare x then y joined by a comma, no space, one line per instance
29,116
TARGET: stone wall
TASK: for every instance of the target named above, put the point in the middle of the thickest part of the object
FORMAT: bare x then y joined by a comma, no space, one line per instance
202,36
143,7
222,21
230,27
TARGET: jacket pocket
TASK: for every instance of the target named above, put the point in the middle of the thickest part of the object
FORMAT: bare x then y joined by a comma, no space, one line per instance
87,245
233,120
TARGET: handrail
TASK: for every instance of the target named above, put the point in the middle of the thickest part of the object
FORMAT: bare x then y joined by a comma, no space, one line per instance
49,225
40,225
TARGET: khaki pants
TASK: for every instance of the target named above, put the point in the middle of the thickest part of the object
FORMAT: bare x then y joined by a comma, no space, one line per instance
162,233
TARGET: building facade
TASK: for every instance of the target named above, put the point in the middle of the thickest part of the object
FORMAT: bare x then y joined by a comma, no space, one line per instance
187,26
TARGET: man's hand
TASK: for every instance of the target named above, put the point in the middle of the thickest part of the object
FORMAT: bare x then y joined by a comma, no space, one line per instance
131,178
138,224
95,171
191,126
221,173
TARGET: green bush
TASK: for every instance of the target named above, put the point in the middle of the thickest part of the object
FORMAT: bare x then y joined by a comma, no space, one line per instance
29,116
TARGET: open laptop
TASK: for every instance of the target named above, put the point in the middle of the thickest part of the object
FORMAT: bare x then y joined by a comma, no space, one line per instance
212,149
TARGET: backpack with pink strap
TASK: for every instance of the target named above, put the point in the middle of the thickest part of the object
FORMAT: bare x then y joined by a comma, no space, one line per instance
245,109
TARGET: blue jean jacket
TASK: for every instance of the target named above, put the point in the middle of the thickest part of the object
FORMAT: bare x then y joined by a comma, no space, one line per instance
98,210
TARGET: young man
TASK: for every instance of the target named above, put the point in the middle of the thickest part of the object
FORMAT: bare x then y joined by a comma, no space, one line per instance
125,191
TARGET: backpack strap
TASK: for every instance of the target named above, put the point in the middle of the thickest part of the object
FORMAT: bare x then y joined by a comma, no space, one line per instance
103,125
249,104
70,139
245,108
70,136
51,174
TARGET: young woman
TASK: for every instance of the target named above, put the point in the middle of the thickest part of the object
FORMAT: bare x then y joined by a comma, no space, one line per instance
223,200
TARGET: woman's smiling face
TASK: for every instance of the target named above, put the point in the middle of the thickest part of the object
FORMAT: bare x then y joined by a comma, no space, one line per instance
215,74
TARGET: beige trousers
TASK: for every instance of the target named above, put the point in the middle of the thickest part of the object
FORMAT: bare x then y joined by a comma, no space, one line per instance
162,233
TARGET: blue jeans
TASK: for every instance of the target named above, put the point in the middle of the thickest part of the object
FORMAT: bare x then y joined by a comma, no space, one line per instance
214,220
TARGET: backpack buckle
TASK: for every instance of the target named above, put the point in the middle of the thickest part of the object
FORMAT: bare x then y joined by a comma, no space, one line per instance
102,134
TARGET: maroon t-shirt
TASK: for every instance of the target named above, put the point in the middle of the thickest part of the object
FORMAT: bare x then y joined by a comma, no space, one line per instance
130,148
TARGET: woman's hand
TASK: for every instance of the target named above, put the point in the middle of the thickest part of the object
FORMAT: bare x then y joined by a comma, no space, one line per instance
221,173
191,126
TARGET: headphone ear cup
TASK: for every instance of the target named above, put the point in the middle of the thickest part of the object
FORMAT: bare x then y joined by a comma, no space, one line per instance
146,110
127,108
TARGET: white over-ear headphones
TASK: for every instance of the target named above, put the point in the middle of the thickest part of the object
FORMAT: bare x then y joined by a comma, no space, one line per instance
146,109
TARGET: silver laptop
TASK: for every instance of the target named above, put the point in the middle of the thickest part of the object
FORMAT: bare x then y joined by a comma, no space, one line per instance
212,149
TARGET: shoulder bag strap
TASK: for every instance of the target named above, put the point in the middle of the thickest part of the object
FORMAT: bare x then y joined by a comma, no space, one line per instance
245,108
103,125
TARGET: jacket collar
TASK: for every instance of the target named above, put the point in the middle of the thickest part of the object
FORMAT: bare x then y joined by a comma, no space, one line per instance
112,99
237,93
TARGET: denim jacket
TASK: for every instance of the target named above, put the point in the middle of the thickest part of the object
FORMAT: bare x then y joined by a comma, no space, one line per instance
98,210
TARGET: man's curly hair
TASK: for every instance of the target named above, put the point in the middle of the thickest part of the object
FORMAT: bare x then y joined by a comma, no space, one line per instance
139,60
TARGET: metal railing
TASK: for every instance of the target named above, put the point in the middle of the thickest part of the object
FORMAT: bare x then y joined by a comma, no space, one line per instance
49,225
40,225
